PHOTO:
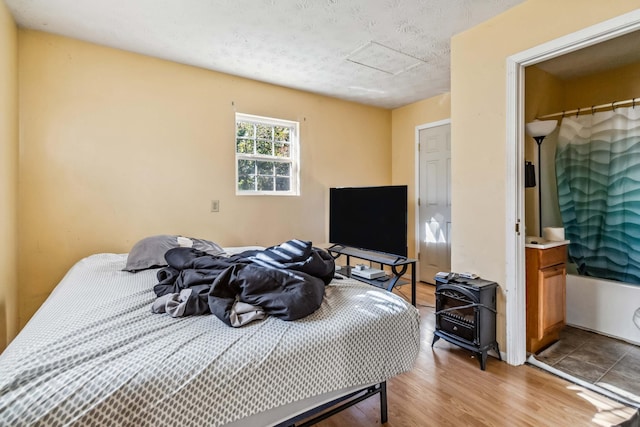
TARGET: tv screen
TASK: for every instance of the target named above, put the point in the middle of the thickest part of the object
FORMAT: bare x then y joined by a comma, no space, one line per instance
372,218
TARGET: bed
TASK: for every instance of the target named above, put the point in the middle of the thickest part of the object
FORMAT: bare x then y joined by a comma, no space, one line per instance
95,354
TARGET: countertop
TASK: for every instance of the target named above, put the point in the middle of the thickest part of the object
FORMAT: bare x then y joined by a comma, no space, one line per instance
540,243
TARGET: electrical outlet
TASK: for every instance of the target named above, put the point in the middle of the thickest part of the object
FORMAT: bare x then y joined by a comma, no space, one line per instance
215,205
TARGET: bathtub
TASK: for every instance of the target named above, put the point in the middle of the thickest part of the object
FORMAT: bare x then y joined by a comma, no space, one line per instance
603,306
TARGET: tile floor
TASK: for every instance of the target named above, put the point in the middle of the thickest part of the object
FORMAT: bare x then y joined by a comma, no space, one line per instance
597,359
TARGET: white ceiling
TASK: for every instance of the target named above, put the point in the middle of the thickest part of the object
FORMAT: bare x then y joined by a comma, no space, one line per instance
386,53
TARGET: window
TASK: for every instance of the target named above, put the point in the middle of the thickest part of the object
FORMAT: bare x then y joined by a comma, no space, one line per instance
266,156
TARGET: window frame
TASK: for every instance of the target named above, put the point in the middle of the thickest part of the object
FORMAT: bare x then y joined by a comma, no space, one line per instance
293,159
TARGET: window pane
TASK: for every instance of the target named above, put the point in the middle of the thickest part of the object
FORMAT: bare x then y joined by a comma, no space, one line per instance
283,184
266,155
264,132
244,146
281,133
282,150
246,167
265,168
246,182
265,183
283,169
245,129
264,147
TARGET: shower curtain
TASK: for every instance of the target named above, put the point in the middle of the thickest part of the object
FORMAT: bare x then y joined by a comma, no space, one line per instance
598,178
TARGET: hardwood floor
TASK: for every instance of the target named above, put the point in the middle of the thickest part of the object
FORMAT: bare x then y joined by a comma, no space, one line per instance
447,388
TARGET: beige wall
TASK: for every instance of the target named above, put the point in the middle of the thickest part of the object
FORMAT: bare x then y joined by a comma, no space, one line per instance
116,146
544,94
618,84
8,177
478,112
404,122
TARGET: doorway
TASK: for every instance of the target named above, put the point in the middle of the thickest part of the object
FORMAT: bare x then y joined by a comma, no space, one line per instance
515,292
433,145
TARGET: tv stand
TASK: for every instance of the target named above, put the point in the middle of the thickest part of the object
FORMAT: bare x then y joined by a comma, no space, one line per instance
398,264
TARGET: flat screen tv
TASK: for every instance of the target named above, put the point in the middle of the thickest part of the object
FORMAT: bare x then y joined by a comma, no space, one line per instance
371,218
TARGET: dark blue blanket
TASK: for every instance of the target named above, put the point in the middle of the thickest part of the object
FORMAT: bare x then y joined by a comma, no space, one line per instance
286,281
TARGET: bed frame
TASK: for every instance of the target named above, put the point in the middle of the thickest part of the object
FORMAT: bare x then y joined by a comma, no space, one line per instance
331,408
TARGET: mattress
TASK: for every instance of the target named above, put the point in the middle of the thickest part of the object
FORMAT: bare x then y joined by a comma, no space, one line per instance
95,354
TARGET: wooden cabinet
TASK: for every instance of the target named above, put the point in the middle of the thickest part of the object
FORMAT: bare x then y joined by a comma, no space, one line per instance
546,295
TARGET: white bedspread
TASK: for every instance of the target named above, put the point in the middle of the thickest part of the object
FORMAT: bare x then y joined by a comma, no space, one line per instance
94,354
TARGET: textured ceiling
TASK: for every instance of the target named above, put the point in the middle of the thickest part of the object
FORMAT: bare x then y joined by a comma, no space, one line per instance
386,53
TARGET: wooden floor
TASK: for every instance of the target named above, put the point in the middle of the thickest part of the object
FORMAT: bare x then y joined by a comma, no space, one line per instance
447,388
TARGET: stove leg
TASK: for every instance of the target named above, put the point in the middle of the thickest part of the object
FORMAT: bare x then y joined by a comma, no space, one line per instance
435,338
483,360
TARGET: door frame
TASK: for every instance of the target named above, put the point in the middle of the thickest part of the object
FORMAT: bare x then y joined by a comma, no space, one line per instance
515,305
417,185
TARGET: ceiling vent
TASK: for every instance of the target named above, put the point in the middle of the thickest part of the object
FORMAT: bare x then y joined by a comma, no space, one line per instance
382,58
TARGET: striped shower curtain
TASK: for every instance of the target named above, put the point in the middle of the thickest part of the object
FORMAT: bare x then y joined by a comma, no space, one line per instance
598,176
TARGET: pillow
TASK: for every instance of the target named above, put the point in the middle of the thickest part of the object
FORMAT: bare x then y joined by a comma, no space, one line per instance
206,246
149,252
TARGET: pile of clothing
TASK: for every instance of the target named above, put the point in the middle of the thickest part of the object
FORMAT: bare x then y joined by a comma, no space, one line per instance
286,281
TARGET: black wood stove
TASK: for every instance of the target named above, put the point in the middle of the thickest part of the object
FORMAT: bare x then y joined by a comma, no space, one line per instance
466,315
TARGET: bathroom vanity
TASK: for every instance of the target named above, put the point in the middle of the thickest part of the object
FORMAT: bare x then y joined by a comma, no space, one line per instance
546,291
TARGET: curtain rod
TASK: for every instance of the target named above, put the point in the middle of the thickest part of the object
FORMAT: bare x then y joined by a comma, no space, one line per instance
592,109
